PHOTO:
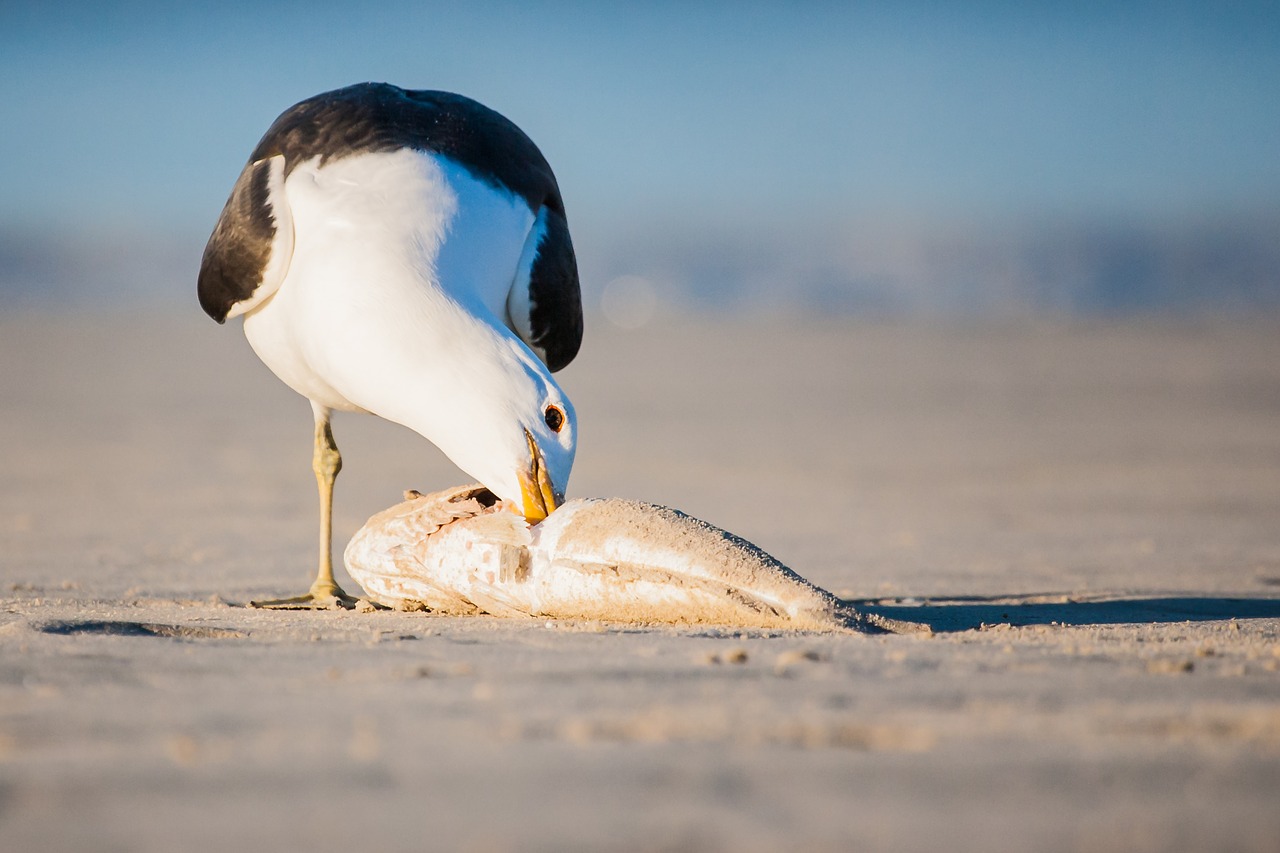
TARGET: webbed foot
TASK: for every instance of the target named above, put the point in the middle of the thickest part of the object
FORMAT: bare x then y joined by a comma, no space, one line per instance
323,595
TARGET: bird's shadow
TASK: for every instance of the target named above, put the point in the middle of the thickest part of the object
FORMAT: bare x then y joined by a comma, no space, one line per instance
971,612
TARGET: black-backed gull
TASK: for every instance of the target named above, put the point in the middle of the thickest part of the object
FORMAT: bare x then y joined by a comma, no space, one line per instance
406,254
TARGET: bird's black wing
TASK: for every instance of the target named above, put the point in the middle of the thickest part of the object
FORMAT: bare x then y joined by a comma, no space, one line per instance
545,305
249,252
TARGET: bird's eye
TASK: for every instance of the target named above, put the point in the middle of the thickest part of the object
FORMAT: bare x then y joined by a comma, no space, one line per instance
554,416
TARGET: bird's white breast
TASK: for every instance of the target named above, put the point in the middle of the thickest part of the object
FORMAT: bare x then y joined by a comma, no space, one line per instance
397,257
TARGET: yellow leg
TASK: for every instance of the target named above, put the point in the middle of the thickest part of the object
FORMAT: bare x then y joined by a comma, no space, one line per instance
326,462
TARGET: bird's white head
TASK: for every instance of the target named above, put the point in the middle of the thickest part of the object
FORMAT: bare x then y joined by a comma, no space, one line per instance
511,427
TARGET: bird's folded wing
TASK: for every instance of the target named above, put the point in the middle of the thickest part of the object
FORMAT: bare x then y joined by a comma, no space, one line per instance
249,252
544,306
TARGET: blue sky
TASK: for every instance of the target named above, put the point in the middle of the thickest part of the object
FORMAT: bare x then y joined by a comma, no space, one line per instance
146,111
718,116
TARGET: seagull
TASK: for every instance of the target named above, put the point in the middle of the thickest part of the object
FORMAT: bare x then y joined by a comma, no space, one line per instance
406,254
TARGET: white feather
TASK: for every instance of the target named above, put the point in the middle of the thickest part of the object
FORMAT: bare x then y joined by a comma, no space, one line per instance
395,303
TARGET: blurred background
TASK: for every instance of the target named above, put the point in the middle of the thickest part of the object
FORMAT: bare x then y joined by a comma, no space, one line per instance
895,160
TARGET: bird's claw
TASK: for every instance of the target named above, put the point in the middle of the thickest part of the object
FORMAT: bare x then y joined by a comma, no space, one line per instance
322,596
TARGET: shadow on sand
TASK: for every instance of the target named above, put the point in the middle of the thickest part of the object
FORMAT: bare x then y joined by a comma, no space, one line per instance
968,613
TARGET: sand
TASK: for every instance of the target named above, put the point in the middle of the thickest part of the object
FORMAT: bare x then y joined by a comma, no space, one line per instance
1087,515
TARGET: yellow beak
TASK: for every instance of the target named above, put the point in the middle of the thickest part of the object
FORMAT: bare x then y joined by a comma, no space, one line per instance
539,496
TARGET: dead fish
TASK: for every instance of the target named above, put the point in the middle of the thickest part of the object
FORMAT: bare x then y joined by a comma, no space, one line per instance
462,551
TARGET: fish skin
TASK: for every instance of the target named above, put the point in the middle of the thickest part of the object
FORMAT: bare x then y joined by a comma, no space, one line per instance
459,552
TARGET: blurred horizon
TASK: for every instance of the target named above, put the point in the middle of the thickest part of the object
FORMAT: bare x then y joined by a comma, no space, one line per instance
907,159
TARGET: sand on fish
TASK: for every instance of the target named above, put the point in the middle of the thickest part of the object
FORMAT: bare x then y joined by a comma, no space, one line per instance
462,551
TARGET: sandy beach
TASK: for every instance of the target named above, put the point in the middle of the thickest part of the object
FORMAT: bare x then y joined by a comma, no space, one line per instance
1087,516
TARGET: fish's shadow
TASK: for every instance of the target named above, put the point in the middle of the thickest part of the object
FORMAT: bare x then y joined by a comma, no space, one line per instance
971,612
